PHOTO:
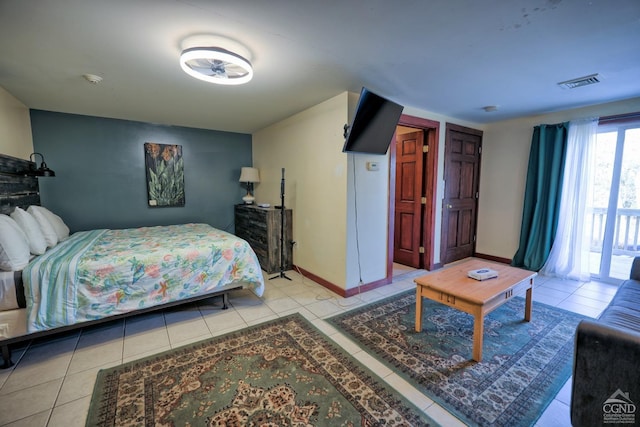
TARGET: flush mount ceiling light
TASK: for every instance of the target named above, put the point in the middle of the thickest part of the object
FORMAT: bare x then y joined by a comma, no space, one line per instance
216,65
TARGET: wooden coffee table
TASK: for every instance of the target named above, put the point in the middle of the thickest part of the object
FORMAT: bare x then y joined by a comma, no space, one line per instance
451,286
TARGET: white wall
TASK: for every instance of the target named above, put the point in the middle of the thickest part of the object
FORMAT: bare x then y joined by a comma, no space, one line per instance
503,173
367,214
15,127
367,218
309,146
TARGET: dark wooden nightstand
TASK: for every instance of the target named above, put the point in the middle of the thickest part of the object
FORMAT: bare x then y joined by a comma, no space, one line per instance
260,227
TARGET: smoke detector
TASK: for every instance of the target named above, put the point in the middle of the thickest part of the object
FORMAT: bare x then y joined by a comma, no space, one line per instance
581,81
92,78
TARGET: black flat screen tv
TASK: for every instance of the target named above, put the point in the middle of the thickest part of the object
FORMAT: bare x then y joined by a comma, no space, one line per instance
373,125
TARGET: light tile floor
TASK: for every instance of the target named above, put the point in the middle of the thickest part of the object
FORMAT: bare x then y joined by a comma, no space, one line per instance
52,381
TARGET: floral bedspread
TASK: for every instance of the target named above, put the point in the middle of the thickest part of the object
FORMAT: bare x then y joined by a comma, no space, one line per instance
100,273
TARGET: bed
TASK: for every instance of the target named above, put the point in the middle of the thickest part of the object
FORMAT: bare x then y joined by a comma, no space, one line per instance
100,275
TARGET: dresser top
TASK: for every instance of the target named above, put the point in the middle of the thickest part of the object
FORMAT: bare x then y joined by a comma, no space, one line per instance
258,208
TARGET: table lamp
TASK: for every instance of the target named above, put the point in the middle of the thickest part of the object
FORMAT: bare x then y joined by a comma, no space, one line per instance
249,175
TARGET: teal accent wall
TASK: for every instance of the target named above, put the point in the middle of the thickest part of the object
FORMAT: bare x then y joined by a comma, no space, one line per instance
100,177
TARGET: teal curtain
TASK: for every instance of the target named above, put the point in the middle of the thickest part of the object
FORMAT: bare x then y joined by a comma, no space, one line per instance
542,195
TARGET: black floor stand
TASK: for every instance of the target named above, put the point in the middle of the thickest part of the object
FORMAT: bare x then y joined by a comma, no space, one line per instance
282,271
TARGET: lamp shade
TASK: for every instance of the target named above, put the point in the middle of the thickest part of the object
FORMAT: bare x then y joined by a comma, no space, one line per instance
249,175
43,170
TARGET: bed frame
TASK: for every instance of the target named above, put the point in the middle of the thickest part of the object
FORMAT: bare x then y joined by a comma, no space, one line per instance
19,187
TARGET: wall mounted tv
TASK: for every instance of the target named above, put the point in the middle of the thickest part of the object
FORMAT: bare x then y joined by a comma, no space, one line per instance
375,121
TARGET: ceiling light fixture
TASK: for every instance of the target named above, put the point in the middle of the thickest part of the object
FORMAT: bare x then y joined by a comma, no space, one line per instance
216,65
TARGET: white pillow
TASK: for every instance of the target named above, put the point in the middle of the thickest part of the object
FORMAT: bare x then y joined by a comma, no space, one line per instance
49,233
61,229
30,227
14,248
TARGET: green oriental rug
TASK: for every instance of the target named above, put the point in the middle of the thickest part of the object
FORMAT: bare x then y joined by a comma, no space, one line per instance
280,373
524,364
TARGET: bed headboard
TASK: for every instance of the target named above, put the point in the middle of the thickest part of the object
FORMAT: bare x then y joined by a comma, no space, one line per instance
17,188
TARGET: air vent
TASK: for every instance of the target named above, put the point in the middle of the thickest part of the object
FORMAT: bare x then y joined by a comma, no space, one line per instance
581,81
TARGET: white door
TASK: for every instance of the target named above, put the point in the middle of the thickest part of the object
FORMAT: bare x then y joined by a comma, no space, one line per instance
615,200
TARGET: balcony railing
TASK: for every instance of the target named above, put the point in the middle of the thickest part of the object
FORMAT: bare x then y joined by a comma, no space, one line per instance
626,239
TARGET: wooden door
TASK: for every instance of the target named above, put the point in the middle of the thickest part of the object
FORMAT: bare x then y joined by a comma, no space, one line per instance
408,199
462,177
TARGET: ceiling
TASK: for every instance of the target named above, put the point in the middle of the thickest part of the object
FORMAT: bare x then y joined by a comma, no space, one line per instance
451,57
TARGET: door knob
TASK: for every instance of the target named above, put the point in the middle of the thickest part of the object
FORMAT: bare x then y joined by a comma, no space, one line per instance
449,206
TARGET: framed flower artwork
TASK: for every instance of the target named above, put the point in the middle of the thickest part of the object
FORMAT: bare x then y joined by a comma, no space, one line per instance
165,174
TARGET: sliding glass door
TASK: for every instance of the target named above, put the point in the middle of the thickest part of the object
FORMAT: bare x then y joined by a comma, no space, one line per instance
614,216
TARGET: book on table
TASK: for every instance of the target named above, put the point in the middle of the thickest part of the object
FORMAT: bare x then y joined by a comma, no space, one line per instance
482,274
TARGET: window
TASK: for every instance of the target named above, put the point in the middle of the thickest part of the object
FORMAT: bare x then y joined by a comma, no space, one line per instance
614,219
